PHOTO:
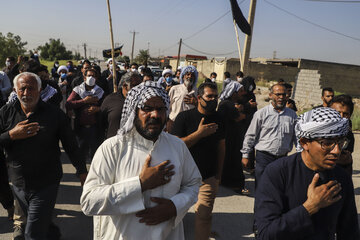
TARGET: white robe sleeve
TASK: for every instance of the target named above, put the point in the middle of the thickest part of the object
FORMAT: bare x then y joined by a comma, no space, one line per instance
189,190
101,196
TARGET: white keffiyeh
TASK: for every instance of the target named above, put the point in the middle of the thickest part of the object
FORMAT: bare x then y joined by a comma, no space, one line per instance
320,122
96,91
136,98
228,91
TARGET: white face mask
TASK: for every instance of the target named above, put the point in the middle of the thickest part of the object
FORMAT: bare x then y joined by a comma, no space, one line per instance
213,79
134,70
90,81
239,79
110,66
7,63
56,65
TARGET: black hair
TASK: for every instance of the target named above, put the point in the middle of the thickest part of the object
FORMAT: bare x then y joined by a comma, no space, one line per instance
213,73
281,81
204,85
135,64
288,85
12,59
85,61
168,67
240,74
227,74
329,89
32,66
343,99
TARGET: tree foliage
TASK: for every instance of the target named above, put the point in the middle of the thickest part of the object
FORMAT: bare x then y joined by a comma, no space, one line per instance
11,45
124,59
142,57
54,50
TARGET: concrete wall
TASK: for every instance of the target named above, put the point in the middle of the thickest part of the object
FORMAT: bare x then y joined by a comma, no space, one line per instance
344,78
307,89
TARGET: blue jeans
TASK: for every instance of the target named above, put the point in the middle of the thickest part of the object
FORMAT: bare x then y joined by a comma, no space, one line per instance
38,206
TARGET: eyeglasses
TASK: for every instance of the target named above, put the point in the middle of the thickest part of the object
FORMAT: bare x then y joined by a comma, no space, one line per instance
149,109
329,144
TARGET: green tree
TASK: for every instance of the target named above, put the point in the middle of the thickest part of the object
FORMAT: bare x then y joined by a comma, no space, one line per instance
142,57
11,45
124,59
54,50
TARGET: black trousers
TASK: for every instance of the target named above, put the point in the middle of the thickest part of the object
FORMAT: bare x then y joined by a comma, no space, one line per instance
6,195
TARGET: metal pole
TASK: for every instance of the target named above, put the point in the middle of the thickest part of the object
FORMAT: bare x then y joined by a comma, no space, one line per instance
112,48
238,43
132,48
178,57
251,18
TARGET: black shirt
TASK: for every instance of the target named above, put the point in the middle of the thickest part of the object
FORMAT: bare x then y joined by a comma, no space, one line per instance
34,162
111,110
205,150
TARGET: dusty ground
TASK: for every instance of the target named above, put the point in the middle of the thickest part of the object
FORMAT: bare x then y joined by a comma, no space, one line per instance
232,218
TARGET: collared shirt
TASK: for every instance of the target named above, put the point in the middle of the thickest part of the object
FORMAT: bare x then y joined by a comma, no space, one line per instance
34,162
271,131
112,191
279,210
177,104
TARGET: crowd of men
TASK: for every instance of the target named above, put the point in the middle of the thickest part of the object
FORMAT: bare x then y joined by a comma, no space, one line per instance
156,148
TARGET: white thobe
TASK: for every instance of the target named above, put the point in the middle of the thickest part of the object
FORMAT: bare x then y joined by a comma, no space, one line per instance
177,94
112,191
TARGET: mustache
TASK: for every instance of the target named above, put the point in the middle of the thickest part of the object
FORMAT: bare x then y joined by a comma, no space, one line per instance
27,98
153,121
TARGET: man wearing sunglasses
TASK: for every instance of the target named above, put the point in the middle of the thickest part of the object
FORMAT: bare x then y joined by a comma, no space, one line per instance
306,195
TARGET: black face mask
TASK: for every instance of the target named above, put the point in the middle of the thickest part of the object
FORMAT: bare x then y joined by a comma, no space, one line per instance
210,105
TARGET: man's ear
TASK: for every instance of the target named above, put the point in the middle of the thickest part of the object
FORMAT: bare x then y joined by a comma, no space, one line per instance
304,143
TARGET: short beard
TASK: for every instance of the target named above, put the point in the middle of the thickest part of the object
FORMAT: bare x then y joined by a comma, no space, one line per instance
149,135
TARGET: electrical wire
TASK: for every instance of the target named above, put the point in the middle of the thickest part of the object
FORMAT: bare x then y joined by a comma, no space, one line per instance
205,53
212,23
314,24
334,1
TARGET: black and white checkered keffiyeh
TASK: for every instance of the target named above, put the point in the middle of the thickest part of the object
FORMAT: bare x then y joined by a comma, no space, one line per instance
320,122
231,87
136,98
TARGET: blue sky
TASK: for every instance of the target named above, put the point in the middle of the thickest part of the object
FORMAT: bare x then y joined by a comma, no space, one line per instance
161,23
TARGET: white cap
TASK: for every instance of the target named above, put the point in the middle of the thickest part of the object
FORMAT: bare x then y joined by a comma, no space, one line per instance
62,67
167,71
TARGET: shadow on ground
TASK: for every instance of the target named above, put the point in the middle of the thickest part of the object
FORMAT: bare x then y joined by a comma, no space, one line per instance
228,226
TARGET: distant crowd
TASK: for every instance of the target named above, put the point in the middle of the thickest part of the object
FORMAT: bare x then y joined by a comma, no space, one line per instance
159,145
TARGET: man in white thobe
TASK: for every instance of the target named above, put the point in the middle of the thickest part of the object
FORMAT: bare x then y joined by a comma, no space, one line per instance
141,182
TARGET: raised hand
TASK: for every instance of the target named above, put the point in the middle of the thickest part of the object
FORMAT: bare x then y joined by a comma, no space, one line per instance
152,177
164,211
24,130
321,196
205,130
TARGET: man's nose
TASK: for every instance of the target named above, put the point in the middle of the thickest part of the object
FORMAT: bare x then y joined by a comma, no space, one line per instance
336,150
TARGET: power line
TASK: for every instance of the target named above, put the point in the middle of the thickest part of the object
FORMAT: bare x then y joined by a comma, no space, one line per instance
314,24
335,1
194,34
210,24
205,53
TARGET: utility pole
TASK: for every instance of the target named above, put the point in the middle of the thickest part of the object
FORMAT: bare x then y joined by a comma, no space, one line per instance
132,48
89,53
246,53
274,54
84,45
178,57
